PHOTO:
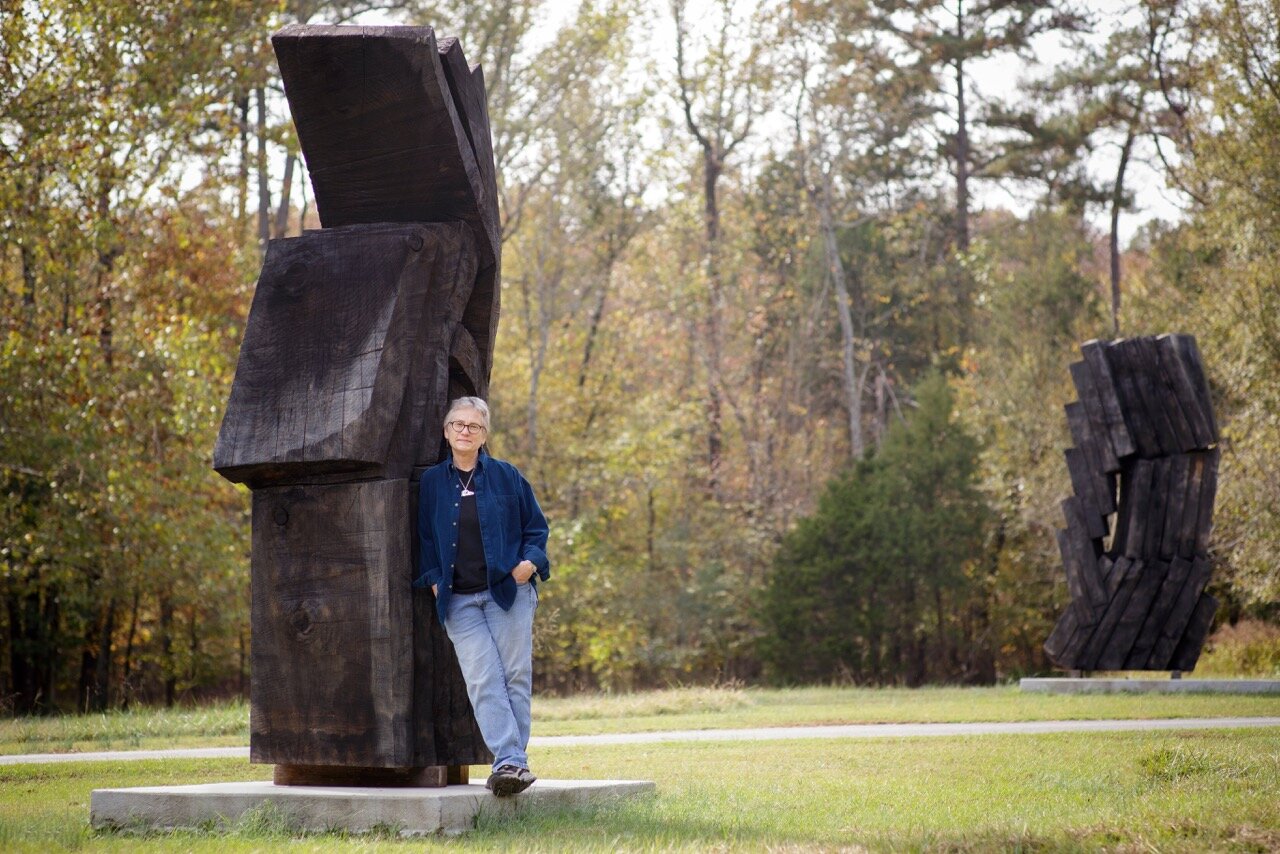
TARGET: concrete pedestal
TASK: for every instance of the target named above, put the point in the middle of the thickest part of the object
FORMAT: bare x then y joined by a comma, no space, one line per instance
1150,686
410,811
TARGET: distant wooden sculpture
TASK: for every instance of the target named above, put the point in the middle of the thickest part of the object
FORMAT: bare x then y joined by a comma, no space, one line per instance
359,335
1137,567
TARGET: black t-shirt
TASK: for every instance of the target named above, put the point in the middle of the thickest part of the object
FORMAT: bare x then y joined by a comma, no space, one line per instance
469,571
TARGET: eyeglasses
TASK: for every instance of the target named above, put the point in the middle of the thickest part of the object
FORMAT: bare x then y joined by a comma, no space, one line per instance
459,426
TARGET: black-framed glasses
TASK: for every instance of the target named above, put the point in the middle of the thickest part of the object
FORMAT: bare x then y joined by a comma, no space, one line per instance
459,426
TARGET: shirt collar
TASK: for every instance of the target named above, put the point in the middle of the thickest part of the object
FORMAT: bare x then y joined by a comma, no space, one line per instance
479,462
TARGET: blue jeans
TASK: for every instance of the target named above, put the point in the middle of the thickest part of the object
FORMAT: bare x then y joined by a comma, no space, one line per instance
495,652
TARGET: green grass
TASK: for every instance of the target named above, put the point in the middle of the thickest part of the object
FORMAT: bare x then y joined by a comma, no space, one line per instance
1193,791
720,708
649,711
215,725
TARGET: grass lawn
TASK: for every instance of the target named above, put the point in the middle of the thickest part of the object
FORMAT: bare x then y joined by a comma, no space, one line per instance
1201,790
649,711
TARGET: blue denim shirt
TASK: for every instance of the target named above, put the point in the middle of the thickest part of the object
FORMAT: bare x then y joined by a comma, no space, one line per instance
512,528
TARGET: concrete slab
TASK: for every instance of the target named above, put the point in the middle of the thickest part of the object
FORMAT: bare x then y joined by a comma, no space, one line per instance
410,811
1066,685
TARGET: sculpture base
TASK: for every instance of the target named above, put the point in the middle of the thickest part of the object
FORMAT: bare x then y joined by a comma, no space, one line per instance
407,811
1149,686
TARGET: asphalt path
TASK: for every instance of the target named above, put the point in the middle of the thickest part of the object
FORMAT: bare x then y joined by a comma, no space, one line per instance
755,734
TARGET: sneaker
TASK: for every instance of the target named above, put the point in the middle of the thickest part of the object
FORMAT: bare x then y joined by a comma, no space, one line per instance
509,780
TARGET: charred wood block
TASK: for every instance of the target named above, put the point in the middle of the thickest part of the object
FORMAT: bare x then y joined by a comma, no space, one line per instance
1188,651
1158,617
1147,378
339,324
332,633
1157,507
1056,644
1084,551
1129,574
427,398
1179,475
1179,615
467,86
1075,577
1189,524
465,363
1068,639
1108,396
1168,396
1186,391
1124,636
1091,446
1097,412
1189,354
1132,402
1136,508
1208,491
380,130
1082,483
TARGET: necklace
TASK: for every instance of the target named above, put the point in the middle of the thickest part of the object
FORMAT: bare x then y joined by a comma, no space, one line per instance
466,487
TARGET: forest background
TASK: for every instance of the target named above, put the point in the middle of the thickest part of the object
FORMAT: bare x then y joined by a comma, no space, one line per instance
790,290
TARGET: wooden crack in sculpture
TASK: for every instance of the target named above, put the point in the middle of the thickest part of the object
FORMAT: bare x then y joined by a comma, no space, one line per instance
359,335
1137,565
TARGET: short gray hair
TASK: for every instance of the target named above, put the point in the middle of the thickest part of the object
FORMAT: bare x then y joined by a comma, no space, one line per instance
475,403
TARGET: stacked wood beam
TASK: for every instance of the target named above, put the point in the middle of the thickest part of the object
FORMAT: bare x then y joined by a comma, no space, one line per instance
1144,472
359,335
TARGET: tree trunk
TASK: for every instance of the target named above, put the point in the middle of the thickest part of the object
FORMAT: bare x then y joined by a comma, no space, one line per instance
1117,202
264,188
282,212
102,674
835,268
107,254
126,670
962,143
242,187
711,176
193,646
166,649
28,258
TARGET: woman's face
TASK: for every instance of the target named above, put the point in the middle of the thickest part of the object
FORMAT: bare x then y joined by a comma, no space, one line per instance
468,439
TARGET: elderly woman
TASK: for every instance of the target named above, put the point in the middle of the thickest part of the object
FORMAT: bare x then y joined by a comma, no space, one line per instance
484,542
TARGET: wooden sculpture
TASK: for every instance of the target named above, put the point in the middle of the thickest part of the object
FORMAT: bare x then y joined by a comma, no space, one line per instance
359,335
1137,567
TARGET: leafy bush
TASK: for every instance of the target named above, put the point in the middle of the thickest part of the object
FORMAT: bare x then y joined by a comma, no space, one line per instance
1248,648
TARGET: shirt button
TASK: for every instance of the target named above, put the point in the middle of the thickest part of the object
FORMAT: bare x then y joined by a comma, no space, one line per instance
455,524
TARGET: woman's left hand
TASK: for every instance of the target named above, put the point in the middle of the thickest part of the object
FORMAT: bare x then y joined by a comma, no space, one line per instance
524,571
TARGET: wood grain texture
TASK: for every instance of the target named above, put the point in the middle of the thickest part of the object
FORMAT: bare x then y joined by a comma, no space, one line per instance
332,645
1107,393
468,90
378,127
343,323
1097,412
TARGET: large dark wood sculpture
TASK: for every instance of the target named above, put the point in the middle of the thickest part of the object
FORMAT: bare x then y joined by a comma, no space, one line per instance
1137,567
358,336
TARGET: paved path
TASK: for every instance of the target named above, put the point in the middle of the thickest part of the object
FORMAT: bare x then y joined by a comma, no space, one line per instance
758,734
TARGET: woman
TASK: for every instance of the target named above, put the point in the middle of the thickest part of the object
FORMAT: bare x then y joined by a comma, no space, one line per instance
484,542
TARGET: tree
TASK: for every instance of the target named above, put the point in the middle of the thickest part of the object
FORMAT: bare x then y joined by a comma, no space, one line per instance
872,587
719,93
